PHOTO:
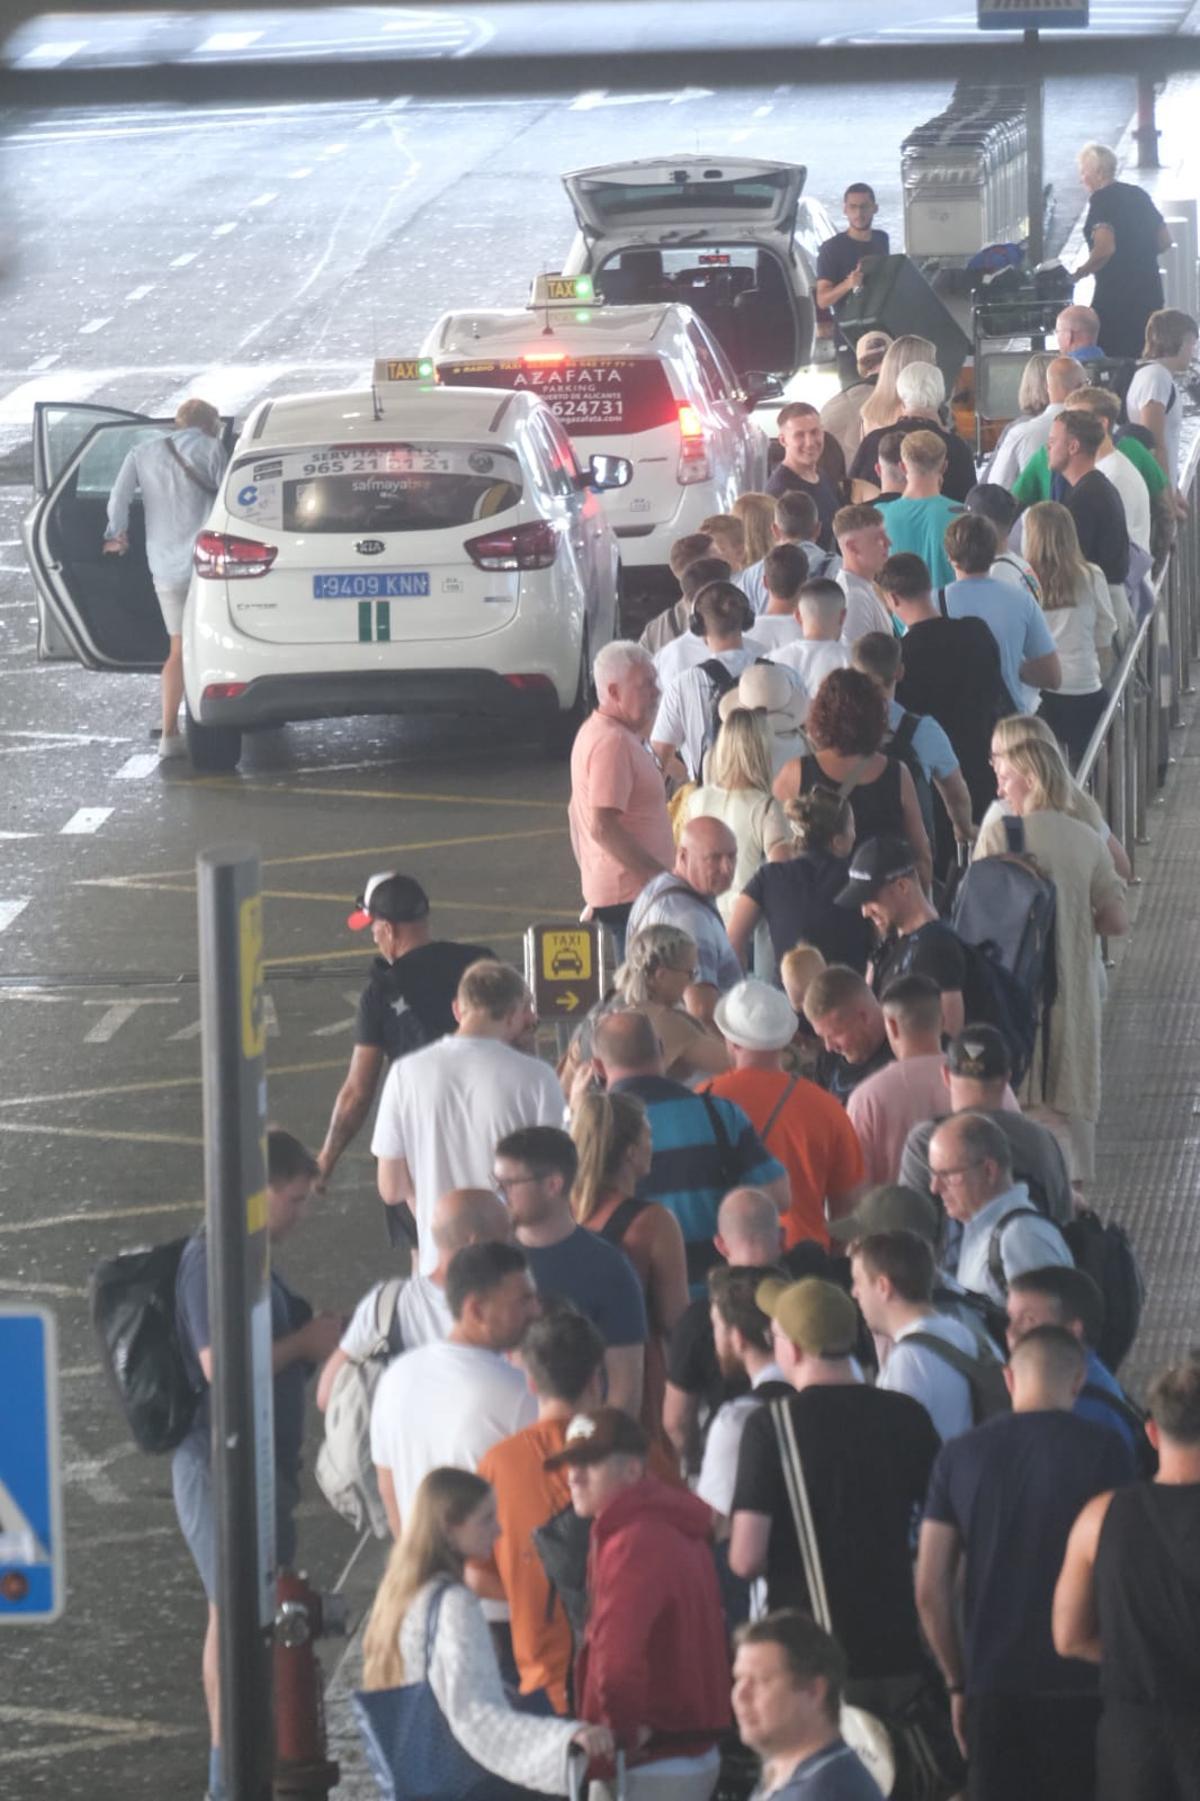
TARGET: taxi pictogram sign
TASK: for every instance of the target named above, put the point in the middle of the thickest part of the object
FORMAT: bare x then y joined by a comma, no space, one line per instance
563,965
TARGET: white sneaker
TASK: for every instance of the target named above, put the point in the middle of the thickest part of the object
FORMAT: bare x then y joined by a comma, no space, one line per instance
173,746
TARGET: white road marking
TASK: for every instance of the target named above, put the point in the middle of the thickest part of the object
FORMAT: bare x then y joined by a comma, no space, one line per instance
13,731
228,40
140,293
298,174
188,1032
55,1291
95,325
137,767
262,200
223,231
91,1473
50,55
595,97
46,362
86,820
230,386
17,406
7,835
335,149
340,1025
181,262
760,112
10,910
118,1013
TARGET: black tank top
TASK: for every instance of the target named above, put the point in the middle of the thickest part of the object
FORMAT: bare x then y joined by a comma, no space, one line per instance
875,805
1148,1596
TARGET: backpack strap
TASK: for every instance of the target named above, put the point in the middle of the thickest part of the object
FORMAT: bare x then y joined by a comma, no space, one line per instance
727,1164
901,739
387,1305
621,1218
941,600
777,1109
718,675
1014,834
801,1511
962,1361
995,1255
1121,1405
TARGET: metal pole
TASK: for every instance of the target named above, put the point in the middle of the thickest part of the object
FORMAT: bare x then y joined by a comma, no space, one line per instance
235,1105
1035,150
1147,133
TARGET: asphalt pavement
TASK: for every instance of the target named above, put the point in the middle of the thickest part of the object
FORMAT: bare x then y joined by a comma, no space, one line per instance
232,253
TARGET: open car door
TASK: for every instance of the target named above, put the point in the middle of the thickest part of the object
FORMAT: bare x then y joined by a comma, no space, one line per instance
100,610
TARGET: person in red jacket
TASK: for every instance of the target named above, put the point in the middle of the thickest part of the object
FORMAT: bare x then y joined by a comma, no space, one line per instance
654,1665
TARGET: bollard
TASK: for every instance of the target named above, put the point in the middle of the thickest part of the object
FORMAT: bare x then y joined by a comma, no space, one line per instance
302,1616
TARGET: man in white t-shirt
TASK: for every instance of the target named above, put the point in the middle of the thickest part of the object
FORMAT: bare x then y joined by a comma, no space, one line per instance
726,628
421,1314
821,611
687,714
785,571
1152,398
447,1403
446,1108
1128,480
863,541
893,1285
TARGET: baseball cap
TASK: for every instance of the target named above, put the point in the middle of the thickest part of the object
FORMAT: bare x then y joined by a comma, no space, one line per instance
605,1432
979,1052
873,865
817,1316
872,343
391,896
890,1208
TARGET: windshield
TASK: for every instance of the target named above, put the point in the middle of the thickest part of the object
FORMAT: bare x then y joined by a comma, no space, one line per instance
750,194
375,487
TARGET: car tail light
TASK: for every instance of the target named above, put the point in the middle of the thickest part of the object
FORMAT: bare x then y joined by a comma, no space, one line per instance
223,691
532,546
217,554
693,446
529,684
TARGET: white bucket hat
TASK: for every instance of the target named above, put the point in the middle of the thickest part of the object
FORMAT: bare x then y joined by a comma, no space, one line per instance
770,687
756,1016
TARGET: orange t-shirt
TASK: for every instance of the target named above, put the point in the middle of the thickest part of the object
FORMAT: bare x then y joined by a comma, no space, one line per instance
526,1497
811,1137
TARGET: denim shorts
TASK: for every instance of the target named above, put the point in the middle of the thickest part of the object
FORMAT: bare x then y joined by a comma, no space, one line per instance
191,1480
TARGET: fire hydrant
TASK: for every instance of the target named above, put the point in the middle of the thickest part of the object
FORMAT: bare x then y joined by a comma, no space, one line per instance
302,1767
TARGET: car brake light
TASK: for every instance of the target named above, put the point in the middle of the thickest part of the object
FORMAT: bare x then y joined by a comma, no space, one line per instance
693,446
544,358
532,546
217,554
223,691
529,684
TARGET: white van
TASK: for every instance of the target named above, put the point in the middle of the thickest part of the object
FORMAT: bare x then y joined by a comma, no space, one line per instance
649,383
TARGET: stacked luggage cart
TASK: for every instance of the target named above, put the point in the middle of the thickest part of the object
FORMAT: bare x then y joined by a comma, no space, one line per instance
965,176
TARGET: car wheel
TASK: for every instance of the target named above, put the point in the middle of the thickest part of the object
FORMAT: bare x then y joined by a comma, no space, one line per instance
560,732
214,748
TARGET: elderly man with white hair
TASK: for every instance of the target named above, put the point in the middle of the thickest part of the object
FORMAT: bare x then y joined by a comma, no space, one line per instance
620,827
1125,235
178,475
686,896
921,389
1077,334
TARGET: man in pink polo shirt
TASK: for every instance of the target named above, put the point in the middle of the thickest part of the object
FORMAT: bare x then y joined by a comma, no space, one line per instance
620,827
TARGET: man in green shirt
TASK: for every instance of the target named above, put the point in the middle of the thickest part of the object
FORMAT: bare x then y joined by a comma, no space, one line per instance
1033,483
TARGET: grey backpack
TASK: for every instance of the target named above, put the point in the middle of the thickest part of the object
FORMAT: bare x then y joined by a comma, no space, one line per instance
345,1471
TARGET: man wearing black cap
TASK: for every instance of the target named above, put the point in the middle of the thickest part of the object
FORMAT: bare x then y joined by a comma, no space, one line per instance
883,885
406,1003
654,1665
978,1067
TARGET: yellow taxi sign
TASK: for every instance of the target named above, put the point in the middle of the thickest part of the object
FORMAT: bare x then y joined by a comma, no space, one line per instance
564,965
403,368
563,290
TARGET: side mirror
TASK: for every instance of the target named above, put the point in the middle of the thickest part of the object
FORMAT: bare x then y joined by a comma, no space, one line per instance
761,387
609,472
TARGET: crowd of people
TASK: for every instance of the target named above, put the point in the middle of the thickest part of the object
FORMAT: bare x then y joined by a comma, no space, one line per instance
745,1394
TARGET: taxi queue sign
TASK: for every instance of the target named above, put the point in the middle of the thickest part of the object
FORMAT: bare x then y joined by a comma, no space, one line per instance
32,1575
567,969
1032,15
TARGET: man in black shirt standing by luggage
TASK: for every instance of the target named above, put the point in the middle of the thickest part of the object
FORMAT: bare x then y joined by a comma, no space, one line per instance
406,1003
839,259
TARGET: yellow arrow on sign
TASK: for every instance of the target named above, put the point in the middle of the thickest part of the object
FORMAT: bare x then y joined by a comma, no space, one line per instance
568,1001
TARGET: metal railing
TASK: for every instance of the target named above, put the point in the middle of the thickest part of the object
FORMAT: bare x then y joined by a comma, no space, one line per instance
1126,762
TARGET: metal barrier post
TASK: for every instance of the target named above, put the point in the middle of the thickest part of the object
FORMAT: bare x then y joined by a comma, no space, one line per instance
1116,782
233,1040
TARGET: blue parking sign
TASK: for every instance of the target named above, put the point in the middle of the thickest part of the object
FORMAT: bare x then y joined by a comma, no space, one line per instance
32,1588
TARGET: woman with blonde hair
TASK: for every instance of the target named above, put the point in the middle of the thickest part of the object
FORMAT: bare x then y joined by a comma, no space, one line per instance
757,514
1063,1084
1074,597
737,791
659,968
1018,729
885,406
612,1136
427,1626
1033,397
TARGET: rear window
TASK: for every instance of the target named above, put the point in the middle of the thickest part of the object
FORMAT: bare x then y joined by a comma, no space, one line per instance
594,396
400,487
622,199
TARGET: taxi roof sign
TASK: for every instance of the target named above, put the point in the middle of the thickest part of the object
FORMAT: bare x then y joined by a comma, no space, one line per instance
400,368
563,290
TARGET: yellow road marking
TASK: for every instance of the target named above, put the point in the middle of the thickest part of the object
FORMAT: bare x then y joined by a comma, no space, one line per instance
164,1082
308,792
85,1132
330,956
104,1215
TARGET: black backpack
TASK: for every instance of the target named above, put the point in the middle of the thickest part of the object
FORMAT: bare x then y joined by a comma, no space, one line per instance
1005,911
562,1547
984,1374
899,744
133,1311
991,1318
1145,1457
1106,1255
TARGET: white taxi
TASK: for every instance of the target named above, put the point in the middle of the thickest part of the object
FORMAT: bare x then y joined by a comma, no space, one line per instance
407,549
734,238
650,382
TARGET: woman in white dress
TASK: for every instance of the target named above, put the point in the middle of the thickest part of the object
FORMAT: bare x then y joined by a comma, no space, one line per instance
453,1520
737,791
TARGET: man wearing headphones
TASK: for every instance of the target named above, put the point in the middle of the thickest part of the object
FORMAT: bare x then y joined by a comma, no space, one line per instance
689,648
687,719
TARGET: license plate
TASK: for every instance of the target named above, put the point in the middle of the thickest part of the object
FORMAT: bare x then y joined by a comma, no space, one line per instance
396,584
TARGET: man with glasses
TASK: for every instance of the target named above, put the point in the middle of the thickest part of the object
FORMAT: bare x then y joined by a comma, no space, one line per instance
534,1170
970,1172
